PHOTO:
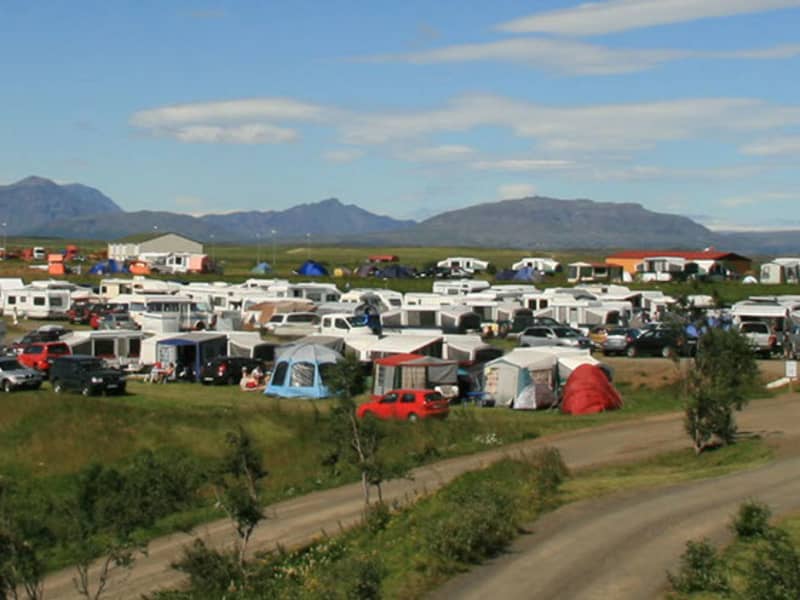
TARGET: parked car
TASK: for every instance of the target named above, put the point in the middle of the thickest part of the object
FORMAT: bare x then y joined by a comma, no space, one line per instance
618,339
541,335
227,369
117,320
97,312
406,405
760,337
293,323
86,374
32,337
598,335
40,355
14,376
661,342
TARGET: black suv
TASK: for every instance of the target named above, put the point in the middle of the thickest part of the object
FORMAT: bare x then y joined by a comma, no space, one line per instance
86,374
228,369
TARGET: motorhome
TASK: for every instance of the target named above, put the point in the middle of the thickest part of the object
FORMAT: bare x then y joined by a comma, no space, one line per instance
188,313
769,310
781,270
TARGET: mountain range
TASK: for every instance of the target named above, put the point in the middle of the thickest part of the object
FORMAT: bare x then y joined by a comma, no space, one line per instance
36,206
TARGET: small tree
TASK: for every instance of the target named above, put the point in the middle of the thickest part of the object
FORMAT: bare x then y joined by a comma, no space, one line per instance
701,570
723,373
775,570
236,487
97,526
352,440
21,535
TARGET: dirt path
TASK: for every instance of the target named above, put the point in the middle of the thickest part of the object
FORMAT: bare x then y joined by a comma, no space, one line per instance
621,546
301,519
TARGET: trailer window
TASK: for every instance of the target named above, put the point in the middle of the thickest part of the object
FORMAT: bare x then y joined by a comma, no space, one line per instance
39,301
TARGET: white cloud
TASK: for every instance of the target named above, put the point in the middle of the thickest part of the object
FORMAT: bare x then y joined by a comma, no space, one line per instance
653,173
343,155
250,133
443,153
522,164
511,191
591,128
598,18
246,121
575,57
558,55
779,146
758,199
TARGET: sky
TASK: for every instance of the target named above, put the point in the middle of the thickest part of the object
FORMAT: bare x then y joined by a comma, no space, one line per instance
409,108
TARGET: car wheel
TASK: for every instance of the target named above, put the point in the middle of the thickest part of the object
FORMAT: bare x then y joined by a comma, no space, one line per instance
631,352
58,387
86,390
667,352
7,387
412,418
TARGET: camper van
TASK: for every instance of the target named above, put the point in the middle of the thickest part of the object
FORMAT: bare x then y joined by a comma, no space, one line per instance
111,288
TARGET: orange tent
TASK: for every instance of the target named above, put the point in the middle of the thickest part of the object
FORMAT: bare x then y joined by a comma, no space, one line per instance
588,391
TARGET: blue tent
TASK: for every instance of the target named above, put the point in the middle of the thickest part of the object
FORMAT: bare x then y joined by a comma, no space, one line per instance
396,272
108,266
261,268
526,274
300,371
312,268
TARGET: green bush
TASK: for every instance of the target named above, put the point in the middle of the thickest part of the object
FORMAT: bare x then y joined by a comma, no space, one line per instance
701,570
377,517
775,571
752,520
551,472
212,571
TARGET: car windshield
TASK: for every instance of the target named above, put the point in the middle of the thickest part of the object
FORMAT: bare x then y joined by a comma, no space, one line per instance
59,349
9,365
563,332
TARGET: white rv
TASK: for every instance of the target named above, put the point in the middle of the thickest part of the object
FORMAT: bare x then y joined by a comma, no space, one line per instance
459,287
120,349
188,313
36,302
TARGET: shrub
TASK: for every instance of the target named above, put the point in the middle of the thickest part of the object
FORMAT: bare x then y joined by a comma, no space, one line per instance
752,520
210,570
701,570
551,472
775,571
377,516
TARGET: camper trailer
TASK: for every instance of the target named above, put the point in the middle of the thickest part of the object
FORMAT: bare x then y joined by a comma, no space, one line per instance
544,265
120,349
448,319
113,287
465,263
459,287
781,270
36,302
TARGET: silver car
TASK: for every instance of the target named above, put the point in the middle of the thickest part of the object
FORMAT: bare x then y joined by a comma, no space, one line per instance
618,339
542,335
14,376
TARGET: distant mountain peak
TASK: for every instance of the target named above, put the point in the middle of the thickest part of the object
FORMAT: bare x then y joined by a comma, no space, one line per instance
35,180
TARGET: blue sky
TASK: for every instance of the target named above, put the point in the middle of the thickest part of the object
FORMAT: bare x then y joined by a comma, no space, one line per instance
409,109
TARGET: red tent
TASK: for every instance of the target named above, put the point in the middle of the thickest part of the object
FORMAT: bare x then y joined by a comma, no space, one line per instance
588,391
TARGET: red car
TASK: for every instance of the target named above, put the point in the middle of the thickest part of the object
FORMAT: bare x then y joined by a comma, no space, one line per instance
40,355
406,405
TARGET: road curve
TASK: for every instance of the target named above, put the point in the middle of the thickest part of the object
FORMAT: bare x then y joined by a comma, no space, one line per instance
621,546
301,519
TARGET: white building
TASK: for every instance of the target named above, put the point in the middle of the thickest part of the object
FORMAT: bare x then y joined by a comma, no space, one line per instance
163,244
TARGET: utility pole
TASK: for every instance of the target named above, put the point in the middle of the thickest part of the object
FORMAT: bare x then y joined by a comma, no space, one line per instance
274,261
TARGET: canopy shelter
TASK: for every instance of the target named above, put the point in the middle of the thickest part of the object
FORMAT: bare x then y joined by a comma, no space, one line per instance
300,371
191,350
412,371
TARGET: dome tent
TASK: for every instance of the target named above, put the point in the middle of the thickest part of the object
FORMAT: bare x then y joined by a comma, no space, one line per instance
588,391
300,371
311,268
